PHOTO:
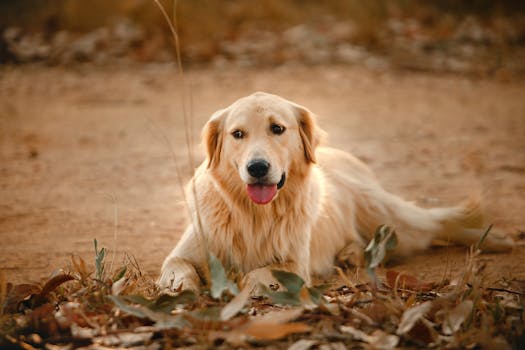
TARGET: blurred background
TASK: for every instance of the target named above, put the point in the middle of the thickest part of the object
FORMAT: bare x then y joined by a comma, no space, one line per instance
479,36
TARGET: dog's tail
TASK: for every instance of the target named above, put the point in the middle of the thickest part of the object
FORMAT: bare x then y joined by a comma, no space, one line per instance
418,227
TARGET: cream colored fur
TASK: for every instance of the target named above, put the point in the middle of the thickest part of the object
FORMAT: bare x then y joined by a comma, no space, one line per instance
329,206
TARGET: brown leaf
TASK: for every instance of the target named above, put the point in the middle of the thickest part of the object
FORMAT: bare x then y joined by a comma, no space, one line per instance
19,294
80,266
70,313
379,339
404,281
272,331
54,283
355,333
455,318
377,312
411,316
271,326
303,344
281,316
423,332
43,321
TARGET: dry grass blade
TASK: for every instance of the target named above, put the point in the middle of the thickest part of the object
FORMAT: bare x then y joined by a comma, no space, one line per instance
188,130
482,238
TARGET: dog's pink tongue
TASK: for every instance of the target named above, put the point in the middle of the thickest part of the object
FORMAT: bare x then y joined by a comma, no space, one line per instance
261,194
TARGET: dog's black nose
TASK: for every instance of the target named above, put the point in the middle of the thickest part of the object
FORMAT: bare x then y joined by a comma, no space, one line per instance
258,168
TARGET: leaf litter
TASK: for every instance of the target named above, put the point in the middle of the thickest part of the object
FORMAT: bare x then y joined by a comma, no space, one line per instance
97,309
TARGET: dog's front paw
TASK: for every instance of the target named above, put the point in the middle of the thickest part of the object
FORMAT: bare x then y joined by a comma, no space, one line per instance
260,277
178,274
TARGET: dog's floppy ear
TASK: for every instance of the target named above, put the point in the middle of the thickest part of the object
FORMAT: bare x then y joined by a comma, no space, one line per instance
212,137
310,133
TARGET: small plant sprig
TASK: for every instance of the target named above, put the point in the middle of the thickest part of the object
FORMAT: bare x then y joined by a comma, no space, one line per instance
376,252
99,261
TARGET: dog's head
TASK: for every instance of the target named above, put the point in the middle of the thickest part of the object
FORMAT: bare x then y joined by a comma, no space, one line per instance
266,139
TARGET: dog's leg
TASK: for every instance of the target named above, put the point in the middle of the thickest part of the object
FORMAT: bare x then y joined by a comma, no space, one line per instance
177,273
264,276
179,270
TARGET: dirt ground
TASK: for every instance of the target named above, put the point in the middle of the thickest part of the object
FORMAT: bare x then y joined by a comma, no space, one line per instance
89,152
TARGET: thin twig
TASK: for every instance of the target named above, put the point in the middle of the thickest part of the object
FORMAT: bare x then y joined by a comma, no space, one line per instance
482,238
505,291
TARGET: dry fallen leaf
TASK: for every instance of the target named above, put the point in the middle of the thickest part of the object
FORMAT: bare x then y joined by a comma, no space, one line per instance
17,295
271,326
382,340
303,344
411,316
281,316
273,331
378,339
355,333
423,332
455,318
54,283
235,305
124,339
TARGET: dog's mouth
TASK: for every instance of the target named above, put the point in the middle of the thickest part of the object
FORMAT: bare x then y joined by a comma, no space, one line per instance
261,193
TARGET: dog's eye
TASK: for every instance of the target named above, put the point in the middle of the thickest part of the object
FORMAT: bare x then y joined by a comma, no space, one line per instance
277,129
238,134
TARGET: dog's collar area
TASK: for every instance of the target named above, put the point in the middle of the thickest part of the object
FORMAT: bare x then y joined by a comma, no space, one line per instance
280,184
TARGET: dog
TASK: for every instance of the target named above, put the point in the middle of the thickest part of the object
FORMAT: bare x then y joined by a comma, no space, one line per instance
268,196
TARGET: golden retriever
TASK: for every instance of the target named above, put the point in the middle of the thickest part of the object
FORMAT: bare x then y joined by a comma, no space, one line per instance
267,197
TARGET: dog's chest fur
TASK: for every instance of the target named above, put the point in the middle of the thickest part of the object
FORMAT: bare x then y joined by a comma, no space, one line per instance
246,236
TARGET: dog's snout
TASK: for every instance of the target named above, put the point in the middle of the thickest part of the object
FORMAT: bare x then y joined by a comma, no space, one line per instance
258,168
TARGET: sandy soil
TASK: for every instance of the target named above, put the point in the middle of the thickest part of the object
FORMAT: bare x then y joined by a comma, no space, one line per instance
83,147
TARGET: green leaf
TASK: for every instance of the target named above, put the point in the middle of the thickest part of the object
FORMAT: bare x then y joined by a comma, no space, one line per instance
99,260
212,313
122,305
292,282
166,303
120,273
162,320
315,295
284,298
219,281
